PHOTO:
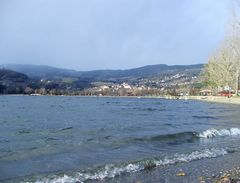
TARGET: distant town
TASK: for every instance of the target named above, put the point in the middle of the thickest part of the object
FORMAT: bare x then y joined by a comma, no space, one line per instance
178,84
169,80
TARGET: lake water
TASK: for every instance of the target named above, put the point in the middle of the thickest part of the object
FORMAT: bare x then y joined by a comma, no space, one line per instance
98,139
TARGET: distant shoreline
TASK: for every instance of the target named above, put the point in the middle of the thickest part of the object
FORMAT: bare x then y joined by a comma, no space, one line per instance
217,99
212,99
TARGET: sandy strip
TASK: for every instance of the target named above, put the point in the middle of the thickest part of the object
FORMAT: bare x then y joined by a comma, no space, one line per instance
217,99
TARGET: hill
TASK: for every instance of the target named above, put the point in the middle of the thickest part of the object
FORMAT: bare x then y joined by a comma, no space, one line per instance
40,71
12,82
146,72
150,72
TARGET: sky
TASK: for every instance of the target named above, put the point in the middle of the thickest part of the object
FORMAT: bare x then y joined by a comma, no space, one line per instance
110,34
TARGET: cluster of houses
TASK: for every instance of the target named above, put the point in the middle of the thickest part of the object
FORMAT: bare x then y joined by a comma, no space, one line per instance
123,89
174,85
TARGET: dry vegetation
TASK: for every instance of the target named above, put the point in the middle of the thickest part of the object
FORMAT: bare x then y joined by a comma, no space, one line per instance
222,70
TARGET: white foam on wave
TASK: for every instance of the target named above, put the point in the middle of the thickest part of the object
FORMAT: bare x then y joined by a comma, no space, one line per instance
62,179
111,171
223,132
196,155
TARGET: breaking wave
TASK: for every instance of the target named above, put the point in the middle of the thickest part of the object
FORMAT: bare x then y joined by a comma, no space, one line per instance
219,133
173,139
111,170
190,136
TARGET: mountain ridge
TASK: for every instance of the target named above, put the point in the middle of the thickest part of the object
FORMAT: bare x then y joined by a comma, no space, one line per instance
44,71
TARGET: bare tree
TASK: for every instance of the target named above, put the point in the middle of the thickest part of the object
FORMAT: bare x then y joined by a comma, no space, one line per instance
234,39
223,66
219,70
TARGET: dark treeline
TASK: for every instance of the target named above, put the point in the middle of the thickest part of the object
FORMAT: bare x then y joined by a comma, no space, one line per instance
12,82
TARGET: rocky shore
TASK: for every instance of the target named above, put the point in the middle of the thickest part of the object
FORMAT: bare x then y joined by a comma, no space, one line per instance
231,176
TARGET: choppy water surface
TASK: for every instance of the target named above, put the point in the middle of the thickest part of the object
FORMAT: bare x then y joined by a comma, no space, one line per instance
84,139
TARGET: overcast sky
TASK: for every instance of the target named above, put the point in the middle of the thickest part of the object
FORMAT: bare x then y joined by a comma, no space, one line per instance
110,34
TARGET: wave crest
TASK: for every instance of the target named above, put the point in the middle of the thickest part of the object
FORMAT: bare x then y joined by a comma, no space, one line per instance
196,155
190,136
111,171
219,133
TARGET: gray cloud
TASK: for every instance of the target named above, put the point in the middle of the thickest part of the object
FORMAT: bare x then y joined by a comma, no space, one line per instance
97,34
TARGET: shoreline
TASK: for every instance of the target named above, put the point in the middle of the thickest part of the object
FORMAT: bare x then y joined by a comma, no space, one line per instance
217,99
212,99
228,176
